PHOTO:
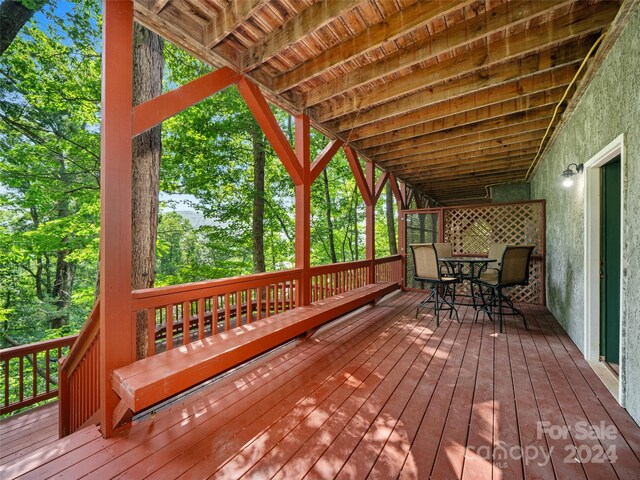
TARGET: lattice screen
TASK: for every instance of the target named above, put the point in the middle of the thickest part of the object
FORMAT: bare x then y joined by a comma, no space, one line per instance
471,229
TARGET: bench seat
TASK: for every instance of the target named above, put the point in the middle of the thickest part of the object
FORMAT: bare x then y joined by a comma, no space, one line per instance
156,378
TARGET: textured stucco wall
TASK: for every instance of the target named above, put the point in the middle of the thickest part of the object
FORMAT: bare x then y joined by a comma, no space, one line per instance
610,107
511,192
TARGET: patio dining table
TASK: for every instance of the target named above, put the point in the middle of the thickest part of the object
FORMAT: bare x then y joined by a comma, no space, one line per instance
458,264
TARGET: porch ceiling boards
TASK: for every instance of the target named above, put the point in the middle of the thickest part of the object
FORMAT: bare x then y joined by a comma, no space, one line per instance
450,96
378,394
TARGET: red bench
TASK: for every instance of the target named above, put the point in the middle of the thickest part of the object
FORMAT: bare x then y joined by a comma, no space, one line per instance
154,379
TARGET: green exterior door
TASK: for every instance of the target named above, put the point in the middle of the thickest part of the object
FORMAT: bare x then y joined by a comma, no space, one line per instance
610,264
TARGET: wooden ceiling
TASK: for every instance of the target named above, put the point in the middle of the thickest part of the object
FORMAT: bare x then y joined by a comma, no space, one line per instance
450,96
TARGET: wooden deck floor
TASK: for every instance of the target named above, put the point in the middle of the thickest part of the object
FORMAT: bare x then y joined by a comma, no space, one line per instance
25,432
381,395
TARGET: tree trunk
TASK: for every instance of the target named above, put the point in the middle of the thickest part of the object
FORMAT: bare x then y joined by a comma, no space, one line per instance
13,16
327,196
39,267
148,64
391,222
257,231
65,270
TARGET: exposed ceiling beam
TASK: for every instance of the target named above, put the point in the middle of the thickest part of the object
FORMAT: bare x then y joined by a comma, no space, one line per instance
517,89
156,6
475,142
305,23
479,131
534,106
410,18
485,167
577,23
488,155
423,87
470,184
236,12
495,168
492,77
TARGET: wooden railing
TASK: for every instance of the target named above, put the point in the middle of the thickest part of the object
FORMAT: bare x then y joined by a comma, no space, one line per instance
176,315
336,278
179,314
389,269
79,378
27,372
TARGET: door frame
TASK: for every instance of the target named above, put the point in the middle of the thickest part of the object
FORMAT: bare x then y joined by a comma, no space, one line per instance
592,205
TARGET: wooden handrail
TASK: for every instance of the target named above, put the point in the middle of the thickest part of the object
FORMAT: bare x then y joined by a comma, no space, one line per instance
339,267
390,258
149,297
30,352
86,336
78,378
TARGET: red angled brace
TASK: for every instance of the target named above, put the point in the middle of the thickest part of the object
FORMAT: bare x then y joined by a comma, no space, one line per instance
378,190
324,157
358,174
396,191
154,111
267,121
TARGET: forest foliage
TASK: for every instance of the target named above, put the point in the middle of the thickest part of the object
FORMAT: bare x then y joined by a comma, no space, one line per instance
50,182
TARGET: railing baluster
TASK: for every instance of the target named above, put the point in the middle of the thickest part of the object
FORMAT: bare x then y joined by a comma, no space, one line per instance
169,327
259,302
21,366
227,312
201,318
34,374
186,322
151,331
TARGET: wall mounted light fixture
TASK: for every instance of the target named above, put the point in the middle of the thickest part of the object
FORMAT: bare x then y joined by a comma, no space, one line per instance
569,173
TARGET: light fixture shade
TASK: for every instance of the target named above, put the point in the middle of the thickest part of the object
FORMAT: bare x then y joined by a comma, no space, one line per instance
569,172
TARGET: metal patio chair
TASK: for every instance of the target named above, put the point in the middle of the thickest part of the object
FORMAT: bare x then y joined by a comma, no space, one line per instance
427,270
514,270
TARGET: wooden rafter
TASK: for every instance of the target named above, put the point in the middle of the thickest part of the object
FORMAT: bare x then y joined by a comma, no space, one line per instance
576,23
236,12
510,124
411,18
418,89
539,82
415,87
314,17
442,149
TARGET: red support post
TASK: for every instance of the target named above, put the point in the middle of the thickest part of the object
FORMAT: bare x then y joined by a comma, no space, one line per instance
370,222
303,208
116,330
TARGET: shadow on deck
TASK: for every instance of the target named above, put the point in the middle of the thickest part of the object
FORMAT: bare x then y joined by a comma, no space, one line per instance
380,394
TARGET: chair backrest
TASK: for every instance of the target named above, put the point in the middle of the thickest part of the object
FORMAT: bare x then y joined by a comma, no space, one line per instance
515,264
425,259
496,250
444,249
